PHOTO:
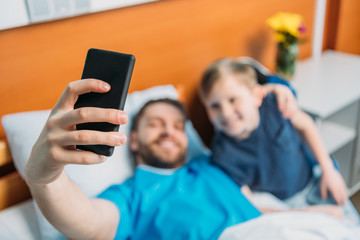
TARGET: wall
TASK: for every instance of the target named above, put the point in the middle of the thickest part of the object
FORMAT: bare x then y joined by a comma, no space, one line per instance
342,28
173,40
348,35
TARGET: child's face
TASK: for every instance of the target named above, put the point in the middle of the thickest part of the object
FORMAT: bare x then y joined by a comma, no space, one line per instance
232,107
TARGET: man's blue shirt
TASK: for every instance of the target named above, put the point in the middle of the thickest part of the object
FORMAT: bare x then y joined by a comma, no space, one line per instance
197,201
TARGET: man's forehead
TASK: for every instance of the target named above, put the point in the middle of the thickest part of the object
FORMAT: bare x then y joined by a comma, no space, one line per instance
163,110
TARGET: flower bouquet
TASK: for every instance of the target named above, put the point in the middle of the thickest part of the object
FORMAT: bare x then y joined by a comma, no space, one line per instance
288,27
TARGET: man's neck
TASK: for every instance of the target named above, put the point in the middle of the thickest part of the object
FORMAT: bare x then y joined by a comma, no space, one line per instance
162,171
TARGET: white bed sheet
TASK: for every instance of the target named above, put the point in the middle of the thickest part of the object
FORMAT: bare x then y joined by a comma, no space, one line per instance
292,226
20,222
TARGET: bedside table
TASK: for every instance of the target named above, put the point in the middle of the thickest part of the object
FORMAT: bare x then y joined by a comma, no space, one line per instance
328,89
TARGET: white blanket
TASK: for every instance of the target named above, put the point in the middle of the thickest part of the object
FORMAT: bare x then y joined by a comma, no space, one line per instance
19,222
292,226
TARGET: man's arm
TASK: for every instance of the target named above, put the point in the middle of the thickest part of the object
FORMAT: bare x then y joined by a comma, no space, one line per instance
286,100
331,178
60,200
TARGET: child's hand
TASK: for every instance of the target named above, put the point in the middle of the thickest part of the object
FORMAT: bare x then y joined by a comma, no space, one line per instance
332,180
331,210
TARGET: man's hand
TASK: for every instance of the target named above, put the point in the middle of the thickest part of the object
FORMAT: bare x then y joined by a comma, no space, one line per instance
286,101
55,147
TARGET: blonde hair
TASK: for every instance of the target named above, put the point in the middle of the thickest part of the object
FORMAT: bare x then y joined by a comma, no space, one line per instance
223,67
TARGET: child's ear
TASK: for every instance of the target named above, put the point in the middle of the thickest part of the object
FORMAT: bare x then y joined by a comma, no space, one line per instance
259,94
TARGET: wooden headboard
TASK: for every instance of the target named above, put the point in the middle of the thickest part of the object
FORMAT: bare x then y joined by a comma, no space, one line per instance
173,41
12,188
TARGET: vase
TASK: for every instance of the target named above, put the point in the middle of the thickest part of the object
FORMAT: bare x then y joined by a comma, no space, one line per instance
286,57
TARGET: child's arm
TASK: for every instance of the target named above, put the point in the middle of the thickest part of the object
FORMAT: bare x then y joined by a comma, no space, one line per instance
335,211
331,178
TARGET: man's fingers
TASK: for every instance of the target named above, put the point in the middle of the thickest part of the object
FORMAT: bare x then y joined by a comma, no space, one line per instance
281,102
292,105
80,157
87,137
90,114
286,101
288,105
76,88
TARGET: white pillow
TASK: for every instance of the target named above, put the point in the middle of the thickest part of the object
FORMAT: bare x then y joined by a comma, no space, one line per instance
23,129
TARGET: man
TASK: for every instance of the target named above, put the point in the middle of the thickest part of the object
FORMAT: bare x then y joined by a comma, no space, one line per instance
164,200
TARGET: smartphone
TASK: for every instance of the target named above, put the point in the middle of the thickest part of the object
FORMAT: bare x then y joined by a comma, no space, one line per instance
116,69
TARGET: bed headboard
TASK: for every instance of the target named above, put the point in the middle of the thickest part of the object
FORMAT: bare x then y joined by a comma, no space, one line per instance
12,188
173,41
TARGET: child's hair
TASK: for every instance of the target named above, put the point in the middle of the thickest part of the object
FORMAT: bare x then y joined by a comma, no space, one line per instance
226,66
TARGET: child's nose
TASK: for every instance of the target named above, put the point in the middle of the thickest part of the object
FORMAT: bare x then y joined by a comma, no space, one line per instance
226,110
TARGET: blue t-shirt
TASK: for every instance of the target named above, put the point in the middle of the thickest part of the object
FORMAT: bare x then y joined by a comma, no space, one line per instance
197,201
273,158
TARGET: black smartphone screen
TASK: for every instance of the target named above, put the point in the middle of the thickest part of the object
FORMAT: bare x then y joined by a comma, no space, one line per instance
116,69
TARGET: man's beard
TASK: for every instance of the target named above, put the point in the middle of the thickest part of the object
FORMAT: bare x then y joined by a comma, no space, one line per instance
152,159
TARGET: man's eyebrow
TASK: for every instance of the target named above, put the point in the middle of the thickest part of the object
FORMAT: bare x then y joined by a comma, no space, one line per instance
151,118
181,120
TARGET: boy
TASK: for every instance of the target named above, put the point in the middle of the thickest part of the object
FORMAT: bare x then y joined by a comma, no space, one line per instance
255,145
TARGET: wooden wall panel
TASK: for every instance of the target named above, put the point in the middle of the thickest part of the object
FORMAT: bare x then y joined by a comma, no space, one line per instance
348,33
173,40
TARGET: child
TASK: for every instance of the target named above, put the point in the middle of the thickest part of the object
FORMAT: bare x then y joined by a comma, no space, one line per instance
255,145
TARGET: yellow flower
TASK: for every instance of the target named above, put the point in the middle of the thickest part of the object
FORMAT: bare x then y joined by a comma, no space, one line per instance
286,22
279,37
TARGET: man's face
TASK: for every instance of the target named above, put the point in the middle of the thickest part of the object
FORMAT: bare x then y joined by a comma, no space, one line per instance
160,139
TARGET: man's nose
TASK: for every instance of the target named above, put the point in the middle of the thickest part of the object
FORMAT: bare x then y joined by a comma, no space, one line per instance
168,129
